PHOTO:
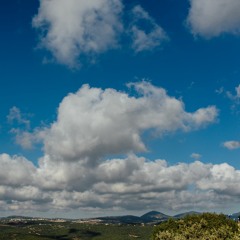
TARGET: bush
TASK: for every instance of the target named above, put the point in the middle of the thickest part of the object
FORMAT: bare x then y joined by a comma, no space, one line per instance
206,226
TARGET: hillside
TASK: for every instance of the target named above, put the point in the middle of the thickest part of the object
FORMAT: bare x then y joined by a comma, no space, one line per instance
181,215
154,215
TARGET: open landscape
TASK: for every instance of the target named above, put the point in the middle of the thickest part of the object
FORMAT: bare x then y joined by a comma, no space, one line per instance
112,108
46,230
21,228
102,228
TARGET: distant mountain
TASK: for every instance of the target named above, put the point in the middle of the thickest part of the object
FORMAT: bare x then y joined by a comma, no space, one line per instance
154,216
181,215
128,219
18,217
150,217
236,214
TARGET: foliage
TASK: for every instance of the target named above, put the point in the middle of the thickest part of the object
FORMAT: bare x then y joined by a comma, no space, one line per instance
206,226
73,231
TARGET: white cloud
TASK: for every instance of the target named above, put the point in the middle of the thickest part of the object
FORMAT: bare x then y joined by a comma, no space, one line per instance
15,114
231,145
234,97
22,194
94,123
75,28
212,18
220,90
196,156
145,39
16,171
223,179
237,91
21,129
27,139
132,183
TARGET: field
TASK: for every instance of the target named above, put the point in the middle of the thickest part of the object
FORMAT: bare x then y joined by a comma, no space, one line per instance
75,231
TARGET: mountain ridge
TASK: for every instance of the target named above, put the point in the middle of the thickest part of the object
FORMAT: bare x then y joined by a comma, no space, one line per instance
149,217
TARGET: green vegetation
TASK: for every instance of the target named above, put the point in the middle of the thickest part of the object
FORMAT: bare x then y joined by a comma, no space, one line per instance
206,226
73,231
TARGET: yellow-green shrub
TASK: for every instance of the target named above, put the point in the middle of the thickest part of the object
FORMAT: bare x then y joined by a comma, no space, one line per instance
206,226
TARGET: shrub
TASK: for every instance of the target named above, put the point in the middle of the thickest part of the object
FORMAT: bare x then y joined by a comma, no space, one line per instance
206,226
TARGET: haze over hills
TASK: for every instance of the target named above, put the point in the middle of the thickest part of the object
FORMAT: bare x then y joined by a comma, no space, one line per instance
236,214
152,217
149,217
181,215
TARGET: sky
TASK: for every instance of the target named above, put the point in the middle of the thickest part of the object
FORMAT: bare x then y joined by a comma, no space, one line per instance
113,107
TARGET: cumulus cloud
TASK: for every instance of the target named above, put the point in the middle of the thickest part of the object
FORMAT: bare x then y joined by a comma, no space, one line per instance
196,156
74,28
231,145
133,183
145,38
222,179
76,170
94,123
212,18
16,171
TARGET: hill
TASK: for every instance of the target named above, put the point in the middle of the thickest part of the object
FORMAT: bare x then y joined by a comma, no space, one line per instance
150,217
181,215
128,219
154,215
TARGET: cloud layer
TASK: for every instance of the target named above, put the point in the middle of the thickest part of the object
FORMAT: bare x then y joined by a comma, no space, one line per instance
212,18
78,169
132,183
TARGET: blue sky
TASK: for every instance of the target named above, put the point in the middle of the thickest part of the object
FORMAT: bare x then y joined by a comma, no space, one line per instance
110,101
